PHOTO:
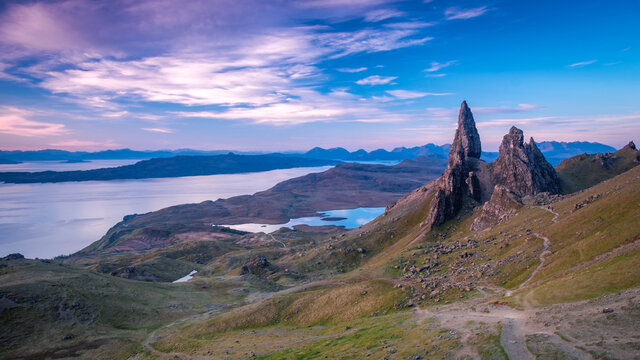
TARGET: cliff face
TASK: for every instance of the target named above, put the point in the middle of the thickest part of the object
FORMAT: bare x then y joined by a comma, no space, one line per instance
522,168
459,179
519,170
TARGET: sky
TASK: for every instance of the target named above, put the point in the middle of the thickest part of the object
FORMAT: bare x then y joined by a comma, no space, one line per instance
255,75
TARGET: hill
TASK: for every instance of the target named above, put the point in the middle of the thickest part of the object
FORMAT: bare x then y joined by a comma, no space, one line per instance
556,151
170,167
585,170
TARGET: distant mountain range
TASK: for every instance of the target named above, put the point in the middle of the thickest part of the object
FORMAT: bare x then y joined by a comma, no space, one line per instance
554,151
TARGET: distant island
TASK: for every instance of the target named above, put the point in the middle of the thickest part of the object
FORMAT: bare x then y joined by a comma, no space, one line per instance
8,162
170,167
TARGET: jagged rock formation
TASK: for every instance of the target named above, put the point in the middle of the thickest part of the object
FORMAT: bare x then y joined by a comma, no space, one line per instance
459,179
504,204
259,266
522,168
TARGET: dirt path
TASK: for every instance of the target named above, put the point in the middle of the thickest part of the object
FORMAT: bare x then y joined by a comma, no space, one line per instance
550,209
513,341
514,327
543,255
278,241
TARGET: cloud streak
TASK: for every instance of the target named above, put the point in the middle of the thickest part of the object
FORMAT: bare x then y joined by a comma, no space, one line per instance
456,13
376,80
406,94
582,63
15,121
436,66
159,130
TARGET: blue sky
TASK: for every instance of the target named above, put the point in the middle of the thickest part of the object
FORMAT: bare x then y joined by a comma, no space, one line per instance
291,75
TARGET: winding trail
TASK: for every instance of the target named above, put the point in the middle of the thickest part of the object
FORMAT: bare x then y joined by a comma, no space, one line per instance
550,209
274,239
546,252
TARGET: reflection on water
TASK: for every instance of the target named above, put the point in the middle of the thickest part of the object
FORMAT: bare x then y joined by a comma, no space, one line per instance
351,218
46,220
34,166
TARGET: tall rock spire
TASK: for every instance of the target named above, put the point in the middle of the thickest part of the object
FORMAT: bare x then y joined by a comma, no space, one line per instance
467,138
459,179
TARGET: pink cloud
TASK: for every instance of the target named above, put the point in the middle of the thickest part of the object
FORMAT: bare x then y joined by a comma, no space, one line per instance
15,121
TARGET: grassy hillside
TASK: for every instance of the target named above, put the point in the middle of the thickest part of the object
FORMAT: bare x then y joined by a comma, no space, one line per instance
388,289
586,170
51,310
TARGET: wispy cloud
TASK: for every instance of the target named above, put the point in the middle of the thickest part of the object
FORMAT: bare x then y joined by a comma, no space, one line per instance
582,63
442,114
15,121
376,80
115,114
307,107
159,130
435,66
382,14
506,109
455,13
406,94
369,41
409,25
352,70
74,144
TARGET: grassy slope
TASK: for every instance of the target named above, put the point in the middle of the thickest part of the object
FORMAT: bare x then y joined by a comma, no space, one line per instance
106,316
583,171
592,253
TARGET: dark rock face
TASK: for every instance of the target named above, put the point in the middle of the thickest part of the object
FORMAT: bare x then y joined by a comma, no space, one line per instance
16,256
631,145
503,205
522,168
258,265
459,179
467,137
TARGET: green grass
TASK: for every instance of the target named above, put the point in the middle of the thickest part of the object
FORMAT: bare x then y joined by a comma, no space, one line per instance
584,171
486,340
57,300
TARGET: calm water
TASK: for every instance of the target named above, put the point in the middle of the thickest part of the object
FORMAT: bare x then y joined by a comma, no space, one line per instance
46,220
352,219
33,166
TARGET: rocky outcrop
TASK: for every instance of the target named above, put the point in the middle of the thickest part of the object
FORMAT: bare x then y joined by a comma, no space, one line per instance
522,168
504,204
259,266
459,179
